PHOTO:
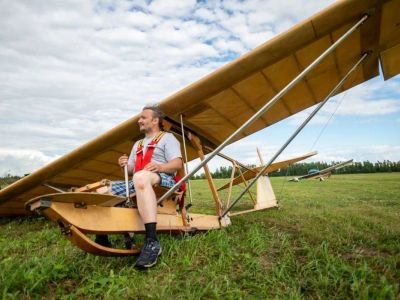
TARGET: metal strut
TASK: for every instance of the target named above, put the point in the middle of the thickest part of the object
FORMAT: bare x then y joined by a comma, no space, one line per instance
335,89
186,159
266,107
126,182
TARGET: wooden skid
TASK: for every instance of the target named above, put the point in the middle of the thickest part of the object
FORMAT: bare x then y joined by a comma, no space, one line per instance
79,214
76,237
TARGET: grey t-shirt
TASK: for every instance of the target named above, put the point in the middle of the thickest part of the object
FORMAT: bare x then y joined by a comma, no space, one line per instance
167,149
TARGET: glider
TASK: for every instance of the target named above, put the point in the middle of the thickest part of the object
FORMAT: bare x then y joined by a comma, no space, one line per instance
322,174
328,53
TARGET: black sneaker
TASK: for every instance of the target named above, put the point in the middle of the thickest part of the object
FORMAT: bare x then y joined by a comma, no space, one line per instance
149,254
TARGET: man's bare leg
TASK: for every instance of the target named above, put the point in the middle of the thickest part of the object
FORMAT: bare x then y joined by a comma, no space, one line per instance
145,196
147,205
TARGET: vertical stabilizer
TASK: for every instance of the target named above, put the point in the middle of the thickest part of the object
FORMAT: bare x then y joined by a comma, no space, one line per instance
265,194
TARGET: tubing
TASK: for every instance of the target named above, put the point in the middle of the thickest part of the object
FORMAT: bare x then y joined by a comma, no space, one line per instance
186,160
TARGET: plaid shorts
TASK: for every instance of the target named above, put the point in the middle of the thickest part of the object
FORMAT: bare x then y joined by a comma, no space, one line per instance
118,187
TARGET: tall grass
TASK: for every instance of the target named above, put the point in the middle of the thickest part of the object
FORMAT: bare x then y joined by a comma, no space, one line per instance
332,239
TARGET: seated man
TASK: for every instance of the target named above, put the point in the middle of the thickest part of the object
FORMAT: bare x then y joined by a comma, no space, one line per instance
153,160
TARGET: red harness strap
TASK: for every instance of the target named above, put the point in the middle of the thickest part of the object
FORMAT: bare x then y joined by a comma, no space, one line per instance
142,160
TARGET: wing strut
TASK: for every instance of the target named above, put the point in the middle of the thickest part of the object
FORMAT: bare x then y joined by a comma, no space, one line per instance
126,182
266,107
186,160
335,89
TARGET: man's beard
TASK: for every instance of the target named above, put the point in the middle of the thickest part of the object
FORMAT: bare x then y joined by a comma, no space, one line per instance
144,129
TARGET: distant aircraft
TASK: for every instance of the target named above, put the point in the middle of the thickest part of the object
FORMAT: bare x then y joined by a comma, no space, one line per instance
322,174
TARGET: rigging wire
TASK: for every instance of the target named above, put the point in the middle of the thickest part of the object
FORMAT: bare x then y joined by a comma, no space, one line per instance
186,161
327,122
318,137
316,140
330,118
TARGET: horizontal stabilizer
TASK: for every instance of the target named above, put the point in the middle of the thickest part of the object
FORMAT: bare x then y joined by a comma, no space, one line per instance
250,174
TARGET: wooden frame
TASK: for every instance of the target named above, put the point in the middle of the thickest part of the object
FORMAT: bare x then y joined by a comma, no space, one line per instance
265,197
80,213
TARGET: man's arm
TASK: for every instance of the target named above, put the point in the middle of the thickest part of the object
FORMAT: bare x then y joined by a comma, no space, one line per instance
170,167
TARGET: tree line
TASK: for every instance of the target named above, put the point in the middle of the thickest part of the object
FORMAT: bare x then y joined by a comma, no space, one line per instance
7,180
299,169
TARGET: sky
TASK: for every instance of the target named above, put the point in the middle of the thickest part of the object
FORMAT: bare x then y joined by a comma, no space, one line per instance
71,70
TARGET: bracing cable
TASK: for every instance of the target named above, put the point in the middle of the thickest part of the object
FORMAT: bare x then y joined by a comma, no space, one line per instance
330,118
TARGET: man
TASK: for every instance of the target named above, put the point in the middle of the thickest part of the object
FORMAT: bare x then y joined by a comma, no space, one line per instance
165,161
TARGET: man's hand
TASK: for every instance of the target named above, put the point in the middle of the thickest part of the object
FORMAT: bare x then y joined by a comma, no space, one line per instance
153,167
123,160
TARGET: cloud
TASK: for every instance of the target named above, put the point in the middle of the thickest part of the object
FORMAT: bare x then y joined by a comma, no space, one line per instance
22,161
122,36
172,8
359,153
376,98
140,20
363,107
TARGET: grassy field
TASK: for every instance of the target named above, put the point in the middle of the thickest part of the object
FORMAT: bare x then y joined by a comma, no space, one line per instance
334,239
